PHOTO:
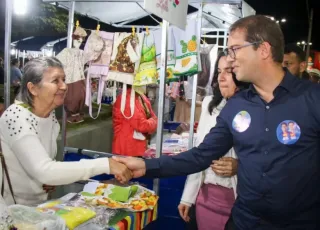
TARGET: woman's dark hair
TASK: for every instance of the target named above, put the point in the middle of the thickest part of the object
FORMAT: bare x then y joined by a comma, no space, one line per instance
217,96
14,61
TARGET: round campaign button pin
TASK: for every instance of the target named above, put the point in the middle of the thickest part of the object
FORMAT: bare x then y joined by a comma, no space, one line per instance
241,121
288,132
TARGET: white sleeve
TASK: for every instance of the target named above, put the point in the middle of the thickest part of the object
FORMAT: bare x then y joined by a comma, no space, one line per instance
36,162
191,189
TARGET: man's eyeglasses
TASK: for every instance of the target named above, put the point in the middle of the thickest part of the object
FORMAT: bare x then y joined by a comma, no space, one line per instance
232,51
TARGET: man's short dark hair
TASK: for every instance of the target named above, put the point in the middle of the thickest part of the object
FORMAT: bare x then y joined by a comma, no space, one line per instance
14,61
260,28
293,48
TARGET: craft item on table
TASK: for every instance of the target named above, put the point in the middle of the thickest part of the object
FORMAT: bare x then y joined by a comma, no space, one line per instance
103,214
133,198
125,61
187,49
98,67
147,72
136,220
171,59
73,216
28,218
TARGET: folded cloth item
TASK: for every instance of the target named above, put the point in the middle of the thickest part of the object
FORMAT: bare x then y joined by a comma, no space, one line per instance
171,59
123,194
186,49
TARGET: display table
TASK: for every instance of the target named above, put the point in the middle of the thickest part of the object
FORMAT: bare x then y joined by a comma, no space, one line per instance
133,221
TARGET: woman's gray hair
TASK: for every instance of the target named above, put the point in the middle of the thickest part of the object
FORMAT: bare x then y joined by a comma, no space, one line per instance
33,72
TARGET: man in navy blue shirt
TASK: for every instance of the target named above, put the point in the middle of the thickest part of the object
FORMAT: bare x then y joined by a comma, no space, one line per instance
274,128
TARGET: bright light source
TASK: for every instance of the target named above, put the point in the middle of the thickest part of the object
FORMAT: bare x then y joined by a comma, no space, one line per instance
283,20
277,22
303,42
298,43
20,6
272,18
13,52
310,43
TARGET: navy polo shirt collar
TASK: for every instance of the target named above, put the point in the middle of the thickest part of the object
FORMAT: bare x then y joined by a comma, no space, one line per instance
287,84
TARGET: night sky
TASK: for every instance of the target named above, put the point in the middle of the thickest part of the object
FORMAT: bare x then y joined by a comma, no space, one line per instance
295,12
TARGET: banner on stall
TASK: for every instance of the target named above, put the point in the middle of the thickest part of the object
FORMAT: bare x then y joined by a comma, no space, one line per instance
173,11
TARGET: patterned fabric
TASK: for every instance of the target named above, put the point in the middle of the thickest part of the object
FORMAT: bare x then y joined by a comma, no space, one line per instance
73,61
5,219
136,220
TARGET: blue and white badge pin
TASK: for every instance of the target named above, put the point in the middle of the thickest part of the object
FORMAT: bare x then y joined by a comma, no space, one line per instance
288,132
241,121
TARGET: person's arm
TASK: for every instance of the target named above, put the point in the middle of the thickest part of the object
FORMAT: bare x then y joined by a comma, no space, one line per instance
36,162
216,143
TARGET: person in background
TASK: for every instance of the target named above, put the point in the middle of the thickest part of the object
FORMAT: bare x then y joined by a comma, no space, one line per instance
16,74
314,75
133,123
29,130
1,72
214,198
294,61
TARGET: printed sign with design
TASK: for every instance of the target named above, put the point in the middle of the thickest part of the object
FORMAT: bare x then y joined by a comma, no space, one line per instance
174,11
241,121
288,132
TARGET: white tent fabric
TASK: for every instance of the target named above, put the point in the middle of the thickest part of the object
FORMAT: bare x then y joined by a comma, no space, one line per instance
222,15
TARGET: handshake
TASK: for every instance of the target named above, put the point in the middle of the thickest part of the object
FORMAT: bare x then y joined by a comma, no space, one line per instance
126,168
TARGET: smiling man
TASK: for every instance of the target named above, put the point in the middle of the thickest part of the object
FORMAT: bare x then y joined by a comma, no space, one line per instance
278,181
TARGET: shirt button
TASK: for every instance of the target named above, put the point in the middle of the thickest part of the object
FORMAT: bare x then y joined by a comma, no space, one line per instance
267,130
267,107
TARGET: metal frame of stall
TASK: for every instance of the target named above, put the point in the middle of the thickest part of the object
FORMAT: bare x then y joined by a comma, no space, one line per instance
164,27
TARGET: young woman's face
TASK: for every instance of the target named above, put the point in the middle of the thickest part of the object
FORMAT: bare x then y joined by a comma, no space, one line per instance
226,83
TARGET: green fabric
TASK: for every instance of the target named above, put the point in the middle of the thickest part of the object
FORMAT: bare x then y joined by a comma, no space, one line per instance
123,194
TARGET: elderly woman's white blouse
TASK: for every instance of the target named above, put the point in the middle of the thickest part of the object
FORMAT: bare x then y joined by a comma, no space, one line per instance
29,147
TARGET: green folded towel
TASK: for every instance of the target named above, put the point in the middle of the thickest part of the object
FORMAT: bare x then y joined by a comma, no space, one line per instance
123,194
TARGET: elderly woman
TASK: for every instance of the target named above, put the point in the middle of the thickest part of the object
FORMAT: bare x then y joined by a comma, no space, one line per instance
29,131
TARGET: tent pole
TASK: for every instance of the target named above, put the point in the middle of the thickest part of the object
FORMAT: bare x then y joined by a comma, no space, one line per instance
195,83
163,73
69,45
7,52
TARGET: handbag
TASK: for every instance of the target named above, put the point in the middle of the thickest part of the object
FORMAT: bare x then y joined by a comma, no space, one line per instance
5,173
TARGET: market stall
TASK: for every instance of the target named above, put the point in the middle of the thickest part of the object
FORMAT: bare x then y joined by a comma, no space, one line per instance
169,189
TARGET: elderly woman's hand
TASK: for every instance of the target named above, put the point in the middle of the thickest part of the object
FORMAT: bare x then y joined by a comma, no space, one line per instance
226,166
120,171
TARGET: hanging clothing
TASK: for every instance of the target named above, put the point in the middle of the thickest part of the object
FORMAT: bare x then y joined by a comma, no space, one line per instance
73,60
147,72
125,57
171,58
187,49
99,66
132,127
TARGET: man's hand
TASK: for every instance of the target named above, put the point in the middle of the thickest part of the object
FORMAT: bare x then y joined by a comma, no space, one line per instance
136,165
120,171
184,212
48,188
226,166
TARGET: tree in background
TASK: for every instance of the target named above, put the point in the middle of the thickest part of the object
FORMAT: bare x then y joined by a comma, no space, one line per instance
41,19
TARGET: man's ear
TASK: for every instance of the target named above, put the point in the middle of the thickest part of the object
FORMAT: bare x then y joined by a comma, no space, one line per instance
265,50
